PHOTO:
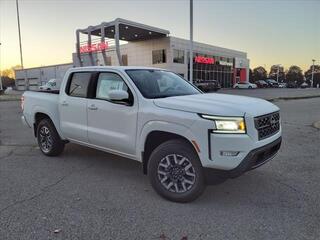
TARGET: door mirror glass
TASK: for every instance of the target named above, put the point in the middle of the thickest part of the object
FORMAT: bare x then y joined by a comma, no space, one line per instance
118,95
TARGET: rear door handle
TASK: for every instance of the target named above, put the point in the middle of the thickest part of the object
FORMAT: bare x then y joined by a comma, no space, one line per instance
93,107
64,103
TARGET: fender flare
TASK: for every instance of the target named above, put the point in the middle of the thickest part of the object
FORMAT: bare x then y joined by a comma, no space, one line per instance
55,119
163,126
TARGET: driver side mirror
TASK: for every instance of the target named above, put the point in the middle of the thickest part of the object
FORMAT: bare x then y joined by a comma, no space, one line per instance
118,95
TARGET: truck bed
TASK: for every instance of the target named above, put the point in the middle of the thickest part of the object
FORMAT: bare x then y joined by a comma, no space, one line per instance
48,91
46,102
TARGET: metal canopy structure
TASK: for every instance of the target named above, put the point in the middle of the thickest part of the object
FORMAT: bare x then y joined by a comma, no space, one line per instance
119,29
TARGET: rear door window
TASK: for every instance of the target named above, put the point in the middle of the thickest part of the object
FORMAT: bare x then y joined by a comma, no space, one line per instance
79,83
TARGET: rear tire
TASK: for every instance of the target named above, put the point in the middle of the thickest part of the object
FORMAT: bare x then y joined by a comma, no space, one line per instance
175,171
48,138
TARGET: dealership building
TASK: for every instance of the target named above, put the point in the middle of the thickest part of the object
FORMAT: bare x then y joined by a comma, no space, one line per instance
123,42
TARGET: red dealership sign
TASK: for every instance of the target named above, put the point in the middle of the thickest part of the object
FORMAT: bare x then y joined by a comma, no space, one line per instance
206,60
95,47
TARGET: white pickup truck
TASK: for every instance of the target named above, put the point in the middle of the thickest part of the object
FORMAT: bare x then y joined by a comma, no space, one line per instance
184,139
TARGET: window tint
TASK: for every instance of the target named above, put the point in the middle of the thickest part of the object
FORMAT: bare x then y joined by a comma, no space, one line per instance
79,84
158,56
178,56
108,82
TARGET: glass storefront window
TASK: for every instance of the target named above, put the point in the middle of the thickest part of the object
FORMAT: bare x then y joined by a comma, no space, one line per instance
178,56
159,56
223,72
108,61
124,60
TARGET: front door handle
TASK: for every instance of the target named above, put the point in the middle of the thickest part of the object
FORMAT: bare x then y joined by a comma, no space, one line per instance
64,103
93,107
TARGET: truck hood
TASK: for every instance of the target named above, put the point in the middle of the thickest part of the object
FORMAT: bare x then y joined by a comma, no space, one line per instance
217,104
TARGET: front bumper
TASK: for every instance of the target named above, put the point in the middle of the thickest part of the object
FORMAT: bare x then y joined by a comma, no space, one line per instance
253,159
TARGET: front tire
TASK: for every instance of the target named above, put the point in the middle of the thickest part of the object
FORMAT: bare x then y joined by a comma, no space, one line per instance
48,138
175,171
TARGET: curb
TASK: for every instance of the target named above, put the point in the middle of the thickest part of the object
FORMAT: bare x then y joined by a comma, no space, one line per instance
11,98
292,98
316,125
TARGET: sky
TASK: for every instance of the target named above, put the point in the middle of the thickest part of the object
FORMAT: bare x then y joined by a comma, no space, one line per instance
283,32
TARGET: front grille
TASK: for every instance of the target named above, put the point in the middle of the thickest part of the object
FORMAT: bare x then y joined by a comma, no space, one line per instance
267,125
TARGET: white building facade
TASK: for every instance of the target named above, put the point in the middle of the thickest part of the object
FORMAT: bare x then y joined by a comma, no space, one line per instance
209,62
123,42
32,78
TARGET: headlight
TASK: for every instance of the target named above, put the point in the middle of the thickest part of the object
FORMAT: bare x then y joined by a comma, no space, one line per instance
227,124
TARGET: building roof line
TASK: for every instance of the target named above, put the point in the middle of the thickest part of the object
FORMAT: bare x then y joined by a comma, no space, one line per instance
209,45
52,65
124,21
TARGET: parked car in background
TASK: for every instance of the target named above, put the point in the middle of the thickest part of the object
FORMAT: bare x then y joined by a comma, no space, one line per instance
8,90
261,84
247,85
50,85
185,139
272,83
292,84
208,85
282,85
304,85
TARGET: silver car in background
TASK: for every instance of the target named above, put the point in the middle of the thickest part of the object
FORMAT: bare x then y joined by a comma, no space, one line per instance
246,85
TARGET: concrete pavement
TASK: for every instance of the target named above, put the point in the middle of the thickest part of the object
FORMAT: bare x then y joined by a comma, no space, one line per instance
275,93
89,194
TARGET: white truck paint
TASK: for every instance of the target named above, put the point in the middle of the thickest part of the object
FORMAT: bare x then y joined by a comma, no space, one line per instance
123,129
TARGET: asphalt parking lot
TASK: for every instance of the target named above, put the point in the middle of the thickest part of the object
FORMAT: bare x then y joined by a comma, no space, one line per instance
274,93
88,194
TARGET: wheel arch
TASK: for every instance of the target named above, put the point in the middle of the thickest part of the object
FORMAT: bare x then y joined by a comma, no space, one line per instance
40,115
156,133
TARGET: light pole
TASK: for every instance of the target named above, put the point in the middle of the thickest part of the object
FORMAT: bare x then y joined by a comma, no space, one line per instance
312,73
278,65
18,18
21,58
0,71
191,42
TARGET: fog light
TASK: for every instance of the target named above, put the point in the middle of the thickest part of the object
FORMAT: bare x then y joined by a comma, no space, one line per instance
229,153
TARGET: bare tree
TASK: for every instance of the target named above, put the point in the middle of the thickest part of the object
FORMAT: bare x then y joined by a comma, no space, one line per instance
274,72
259,73
294,74
316,75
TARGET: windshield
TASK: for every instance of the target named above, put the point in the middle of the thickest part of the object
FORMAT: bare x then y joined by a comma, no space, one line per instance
160,84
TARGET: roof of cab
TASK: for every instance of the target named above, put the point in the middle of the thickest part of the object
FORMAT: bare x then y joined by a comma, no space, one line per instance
97,68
